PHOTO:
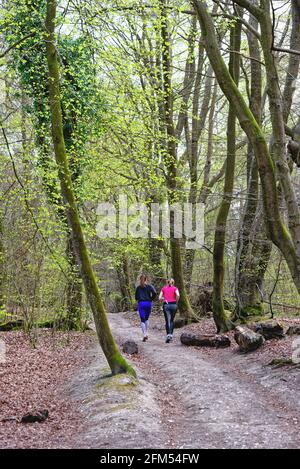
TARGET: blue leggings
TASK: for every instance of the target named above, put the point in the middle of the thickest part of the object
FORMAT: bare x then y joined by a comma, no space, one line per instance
145,310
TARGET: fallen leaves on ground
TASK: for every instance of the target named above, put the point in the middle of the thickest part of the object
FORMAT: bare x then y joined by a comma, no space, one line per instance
33,378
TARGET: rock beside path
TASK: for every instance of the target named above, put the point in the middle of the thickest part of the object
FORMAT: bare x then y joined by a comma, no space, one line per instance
247,339
130,347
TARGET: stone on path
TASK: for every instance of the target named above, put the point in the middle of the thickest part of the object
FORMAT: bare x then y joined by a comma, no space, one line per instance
130,347
36,416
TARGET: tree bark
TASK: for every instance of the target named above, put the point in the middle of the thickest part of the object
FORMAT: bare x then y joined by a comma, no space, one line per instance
198,123
74,282
222,322
74,287
253,247
74,290
115,360
170,159
124,282
155,259
2,301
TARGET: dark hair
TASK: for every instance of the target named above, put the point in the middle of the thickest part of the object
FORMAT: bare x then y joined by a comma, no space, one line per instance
143,277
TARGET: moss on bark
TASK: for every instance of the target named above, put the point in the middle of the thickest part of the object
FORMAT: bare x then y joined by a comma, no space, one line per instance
170,159
222,322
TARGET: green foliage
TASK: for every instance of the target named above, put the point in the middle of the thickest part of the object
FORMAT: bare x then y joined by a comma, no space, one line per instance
110,70
82,98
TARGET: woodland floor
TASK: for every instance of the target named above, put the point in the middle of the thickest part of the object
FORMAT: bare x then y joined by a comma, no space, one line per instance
186,397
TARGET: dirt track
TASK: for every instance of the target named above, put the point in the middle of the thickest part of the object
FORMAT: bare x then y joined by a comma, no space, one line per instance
188,399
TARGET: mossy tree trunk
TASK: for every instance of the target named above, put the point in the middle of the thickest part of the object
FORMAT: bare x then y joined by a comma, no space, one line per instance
253,246
2,301
155,258
276,228
115,360
253,255
74,287
123,274
156,245
170,159
193,136
222,322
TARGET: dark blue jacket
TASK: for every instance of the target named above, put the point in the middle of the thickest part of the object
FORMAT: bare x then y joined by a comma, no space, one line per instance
146,293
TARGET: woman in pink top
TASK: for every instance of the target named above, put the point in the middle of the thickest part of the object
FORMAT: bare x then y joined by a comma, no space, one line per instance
169,295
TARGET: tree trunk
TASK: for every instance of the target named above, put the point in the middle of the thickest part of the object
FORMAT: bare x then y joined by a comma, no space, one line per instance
222,322
2,301
253,255
115,360
198,123
74,282
253,247
155,259
74,288
124,282
170,159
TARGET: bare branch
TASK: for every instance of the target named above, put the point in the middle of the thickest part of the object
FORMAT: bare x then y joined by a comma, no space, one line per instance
287,51
253,9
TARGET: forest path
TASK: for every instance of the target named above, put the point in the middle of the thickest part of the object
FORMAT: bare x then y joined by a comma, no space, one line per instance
185,397
209,403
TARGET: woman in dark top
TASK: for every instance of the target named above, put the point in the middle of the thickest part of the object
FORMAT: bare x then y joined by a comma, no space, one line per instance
144,294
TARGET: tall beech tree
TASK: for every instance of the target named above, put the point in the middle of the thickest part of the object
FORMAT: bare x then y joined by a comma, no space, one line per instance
170,157
2,302
253,246
222,322
115,360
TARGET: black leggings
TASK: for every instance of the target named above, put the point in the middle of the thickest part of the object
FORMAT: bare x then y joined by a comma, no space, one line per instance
169,312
